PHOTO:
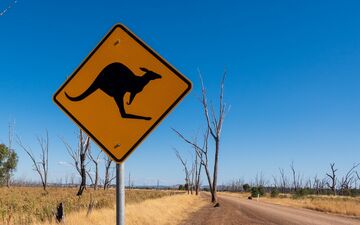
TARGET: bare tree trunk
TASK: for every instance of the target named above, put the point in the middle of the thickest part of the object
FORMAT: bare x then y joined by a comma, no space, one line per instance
209,181
95,160
96,177
82,174
198,174
108,178
214,196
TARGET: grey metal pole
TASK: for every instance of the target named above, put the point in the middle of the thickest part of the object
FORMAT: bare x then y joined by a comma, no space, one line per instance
120,194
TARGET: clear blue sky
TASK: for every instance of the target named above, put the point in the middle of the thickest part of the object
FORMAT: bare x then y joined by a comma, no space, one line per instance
293,79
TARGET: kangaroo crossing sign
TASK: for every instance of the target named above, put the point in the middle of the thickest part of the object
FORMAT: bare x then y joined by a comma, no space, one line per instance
120,92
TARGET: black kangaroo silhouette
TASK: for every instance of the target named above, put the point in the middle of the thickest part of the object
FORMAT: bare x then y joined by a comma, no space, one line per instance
116,80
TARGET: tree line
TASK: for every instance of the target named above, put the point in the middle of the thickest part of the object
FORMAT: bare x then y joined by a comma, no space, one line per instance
85,161
291,181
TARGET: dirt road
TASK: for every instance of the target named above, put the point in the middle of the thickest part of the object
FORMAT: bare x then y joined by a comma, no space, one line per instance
238,211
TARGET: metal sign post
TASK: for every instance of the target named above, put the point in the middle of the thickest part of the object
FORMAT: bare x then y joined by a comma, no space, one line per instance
120,194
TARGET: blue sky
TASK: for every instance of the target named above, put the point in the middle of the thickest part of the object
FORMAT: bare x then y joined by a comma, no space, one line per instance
293,79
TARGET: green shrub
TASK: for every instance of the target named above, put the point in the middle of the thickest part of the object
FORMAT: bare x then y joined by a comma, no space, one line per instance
255,191
300,193
274,193
246,187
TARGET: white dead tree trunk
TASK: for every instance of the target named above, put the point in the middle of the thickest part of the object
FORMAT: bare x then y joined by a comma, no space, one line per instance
42,166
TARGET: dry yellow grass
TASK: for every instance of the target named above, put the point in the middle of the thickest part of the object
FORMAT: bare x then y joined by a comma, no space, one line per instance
349,206
338,205
25,205
167,210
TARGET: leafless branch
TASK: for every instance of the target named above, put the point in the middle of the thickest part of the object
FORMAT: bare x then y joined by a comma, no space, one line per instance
42,166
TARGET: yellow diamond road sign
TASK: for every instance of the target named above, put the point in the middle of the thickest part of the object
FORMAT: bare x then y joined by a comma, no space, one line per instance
120,92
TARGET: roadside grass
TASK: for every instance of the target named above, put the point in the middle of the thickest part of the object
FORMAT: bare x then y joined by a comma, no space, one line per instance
349,206
167,210
26,205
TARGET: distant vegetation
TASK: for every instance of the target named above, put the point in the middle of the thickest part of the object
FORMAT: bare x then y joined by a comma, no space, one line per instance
294,184
328,193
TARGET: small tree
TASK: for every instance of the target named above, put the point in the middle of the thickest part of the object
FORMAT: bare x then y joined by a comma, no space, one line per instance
8,163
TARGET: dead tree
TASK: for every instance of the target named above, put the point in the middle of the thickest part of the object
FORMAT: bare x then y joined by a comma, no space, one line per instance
283,180
186,170
109,176
260,180
214,124
349,177
332,176
297,181
42,166
95,160
358,178
316,185
275,182
79,157
202,153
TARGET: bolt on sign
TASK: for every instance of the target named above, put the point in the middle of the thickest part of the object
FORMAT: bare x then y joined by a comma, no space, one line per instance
120,92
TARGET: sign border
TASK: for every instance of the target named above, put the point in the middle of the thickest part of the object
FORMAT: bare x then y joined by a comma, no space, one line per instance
158,57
